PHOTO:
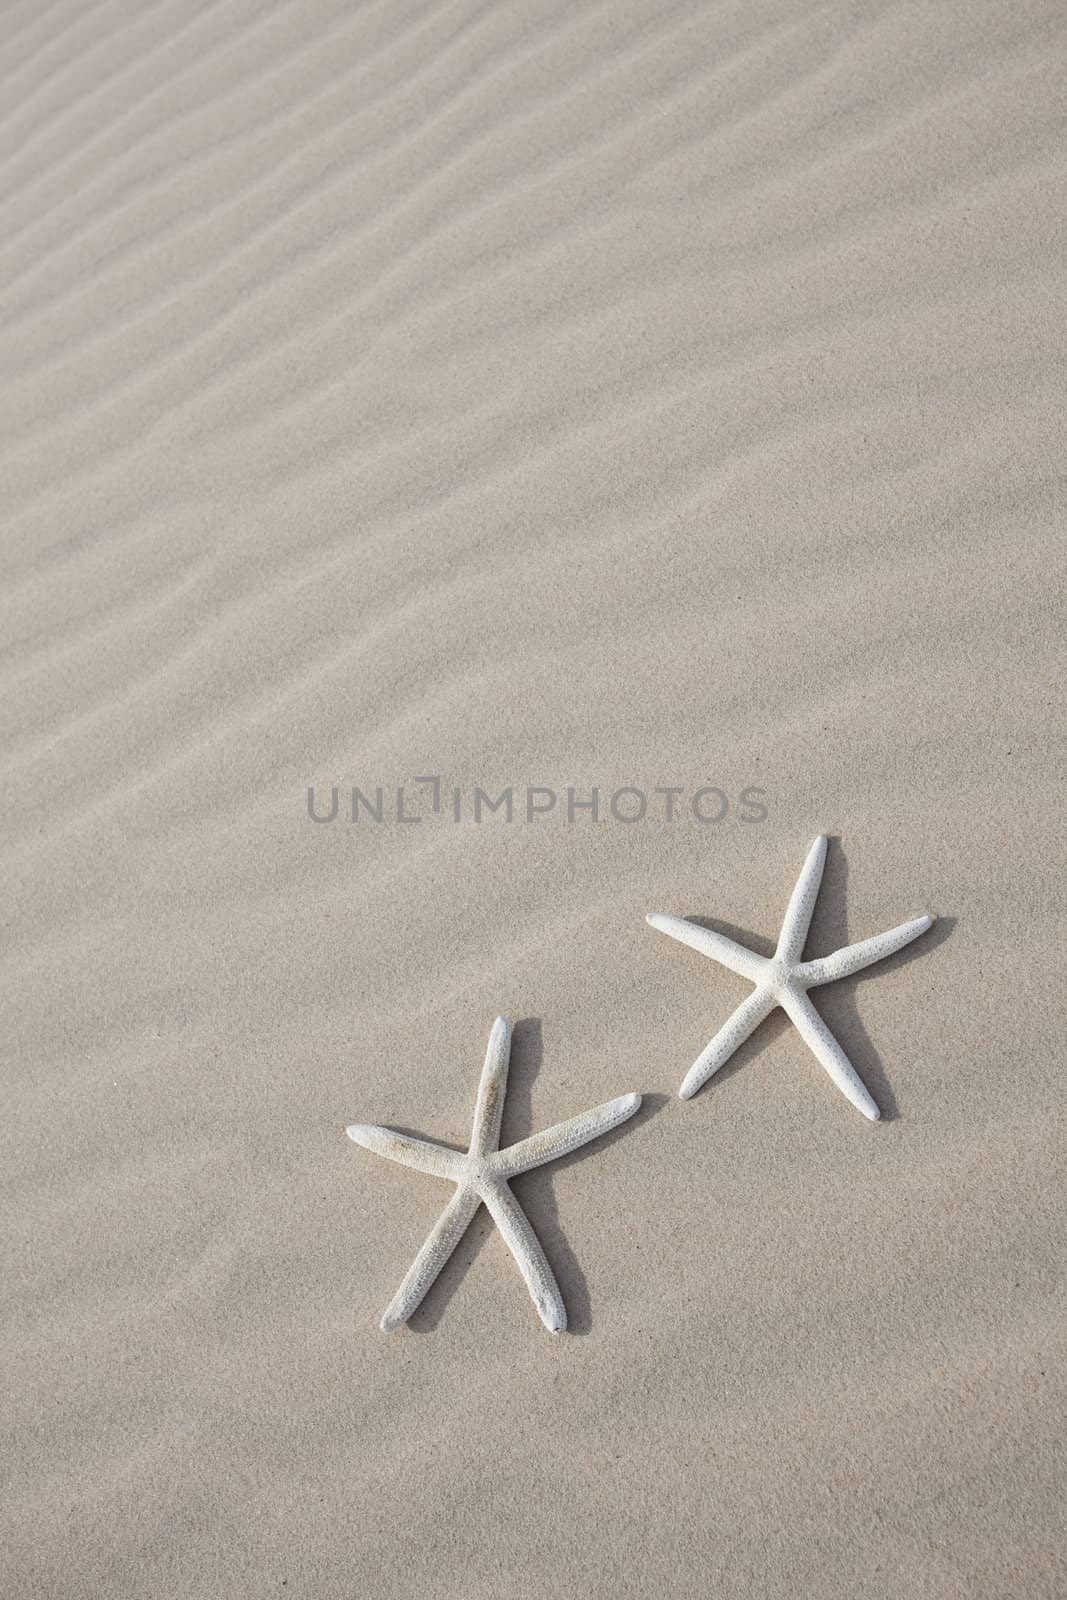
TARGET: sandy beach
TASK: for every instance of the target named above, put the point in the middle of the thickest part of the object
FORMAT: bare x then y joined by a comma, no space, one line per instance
649,416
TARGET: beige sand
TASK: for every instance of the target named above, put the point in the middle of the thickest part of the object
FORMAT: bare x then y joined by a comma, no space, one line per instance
622,394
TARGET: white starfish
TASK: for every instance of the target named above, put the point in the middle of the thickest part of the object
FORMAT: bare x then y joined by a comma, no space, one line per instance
481,1174
784,979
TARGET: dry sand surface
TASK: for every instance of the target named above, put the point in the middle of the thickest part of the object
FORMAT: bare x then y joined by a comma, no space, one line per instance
614,395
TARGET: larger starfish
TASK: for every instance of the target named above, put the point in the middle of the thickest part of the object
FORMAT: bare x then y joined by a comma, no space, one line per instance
784,980
481,1175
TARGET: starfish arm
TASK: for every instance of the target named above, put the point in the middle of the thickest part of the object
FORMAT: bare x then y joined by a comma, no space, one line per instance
560,1140
524,1245
745,1020
440,1243
489,1107
419,1153
854,957
746,963
826,1050
801,906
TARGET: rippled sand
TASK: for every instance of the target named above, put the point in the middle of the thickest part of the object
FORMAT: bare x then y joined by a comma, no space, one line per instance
615,396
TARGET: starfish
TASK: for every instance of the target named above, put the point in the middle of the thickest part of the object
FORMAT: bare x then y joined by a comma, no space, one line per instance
481,1175
784,980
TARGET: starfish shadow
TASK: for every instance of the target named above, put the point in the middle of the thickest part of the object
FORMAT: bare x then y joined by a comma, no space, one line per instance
426,1318
427,1315
533,1190
835,1002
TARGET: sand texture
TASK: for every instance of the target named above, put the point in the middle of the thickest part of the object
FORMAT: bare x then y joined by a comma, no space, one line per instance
626,396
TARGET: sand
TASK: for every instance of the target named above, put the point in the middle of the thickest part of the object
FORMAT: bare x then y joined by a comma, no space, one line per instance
621,396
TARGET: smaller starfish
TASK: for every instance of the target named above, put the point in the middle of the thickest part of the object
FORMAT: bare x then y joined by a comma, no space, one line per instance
784,980
482,1174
